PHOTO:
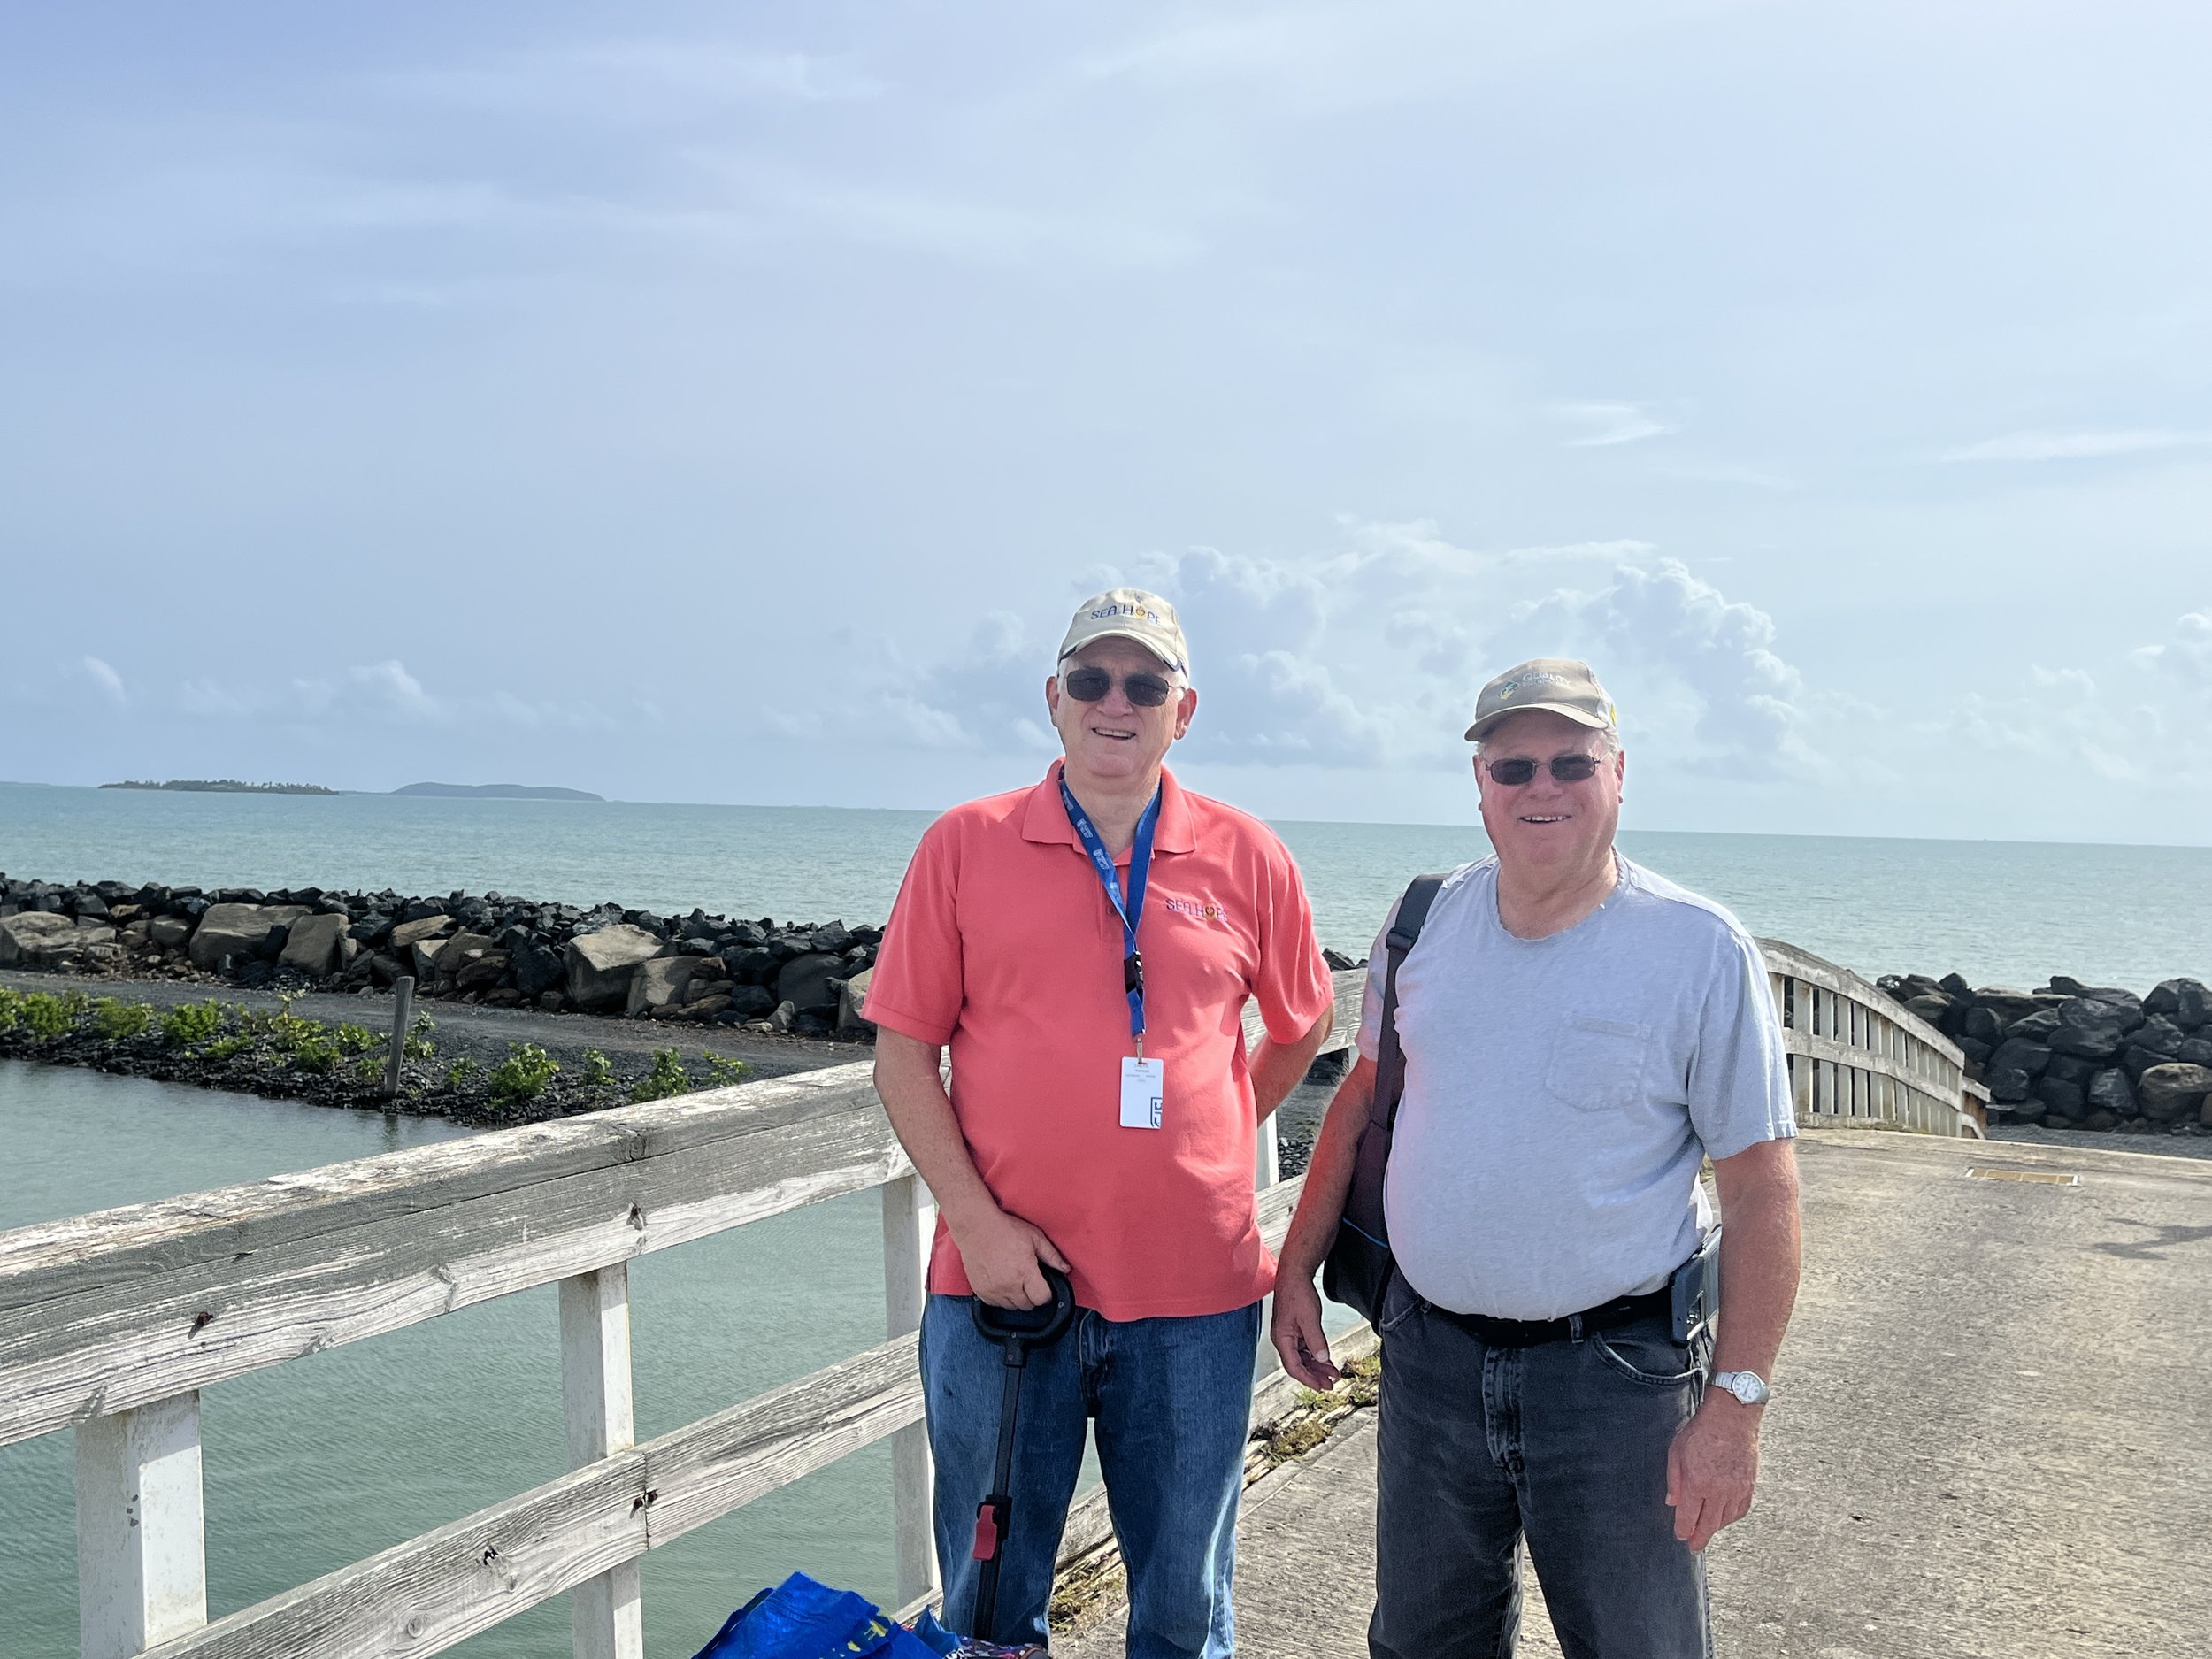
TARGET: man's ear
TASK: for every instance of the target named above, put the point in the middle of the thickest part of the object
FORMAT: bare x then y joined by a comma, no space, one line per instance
1185,709
1052,697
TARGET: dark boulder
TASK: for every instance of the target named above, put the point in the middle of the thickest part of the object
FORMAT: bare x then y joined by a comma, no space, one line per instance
2135,1060
538,968
2071,1068
2036,1027
834,938
2196,1051
2159,1035
805,982
754,966
2108,1091
1955,985
2006,1003
2066,1100
2092,1028
751,1002
1935,1008
2187,1003
1983,1024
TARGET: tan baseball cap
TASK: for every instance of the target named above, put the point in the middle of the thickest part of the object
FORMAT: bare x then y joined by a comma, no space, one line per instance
1130,613
1556,683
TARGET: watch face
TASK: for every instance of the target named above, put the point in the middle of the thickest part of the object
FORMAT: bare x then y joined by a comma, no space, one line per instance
1745,1387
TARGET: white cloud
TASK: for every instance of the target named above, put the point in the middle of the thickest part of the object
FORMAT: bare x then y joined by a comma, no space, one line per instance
2185,662
1722,696
2075,446
1370,656
110,682
1605,424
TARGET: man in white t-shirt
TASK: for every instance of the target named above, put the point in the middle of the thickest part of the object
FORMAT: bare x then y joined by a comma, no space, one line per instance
1579,1035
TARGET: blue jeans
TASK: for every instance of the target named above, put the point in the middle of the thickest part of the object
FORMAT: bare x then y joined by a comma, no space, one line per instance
1565,1444
1173,1399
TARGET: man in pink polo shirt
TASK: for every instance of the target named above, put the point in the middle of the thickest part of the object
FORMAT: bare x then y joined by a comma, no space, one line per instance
1101,1119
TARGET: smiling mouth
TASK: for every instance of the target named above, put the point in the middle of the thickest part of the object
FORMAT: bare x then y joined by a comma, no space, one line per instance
1545,817
1119,734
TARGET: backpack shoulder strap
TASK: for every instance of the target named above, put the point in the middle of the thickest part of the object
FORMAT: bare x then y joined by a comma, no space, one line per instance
1405,932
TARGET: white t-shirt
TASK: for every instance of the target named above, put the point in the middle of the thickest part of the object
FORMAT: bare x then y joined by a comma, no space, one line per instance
1561,1092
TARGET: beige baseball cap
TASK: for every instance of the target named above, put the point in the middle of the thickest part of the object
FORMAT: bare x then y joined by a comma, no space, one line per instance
1130,613
1556,683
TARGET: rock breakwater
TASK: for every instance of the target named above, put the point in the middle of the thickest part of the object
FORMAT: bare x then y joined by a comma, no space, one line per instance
2070,1055
488,948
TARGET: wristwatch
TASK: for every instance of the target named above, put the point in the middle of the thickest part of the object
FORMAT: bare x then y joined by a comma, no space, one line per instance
1747,1386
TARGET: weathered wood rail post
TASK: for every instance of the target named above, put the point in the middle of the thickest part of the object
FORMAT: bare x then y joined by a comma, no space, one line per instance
112,1324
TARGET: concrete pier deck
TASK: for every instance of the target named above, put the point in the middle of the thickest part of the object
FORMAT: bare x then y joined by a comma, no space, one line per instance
1992,1438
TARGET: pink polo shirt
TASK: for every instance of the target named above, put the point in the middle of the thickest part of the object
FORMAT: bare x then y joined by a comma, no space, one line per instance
1002,945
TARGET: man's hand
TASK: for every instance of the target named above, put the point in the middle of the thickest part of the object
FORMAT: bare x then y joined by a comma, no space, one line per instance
1711,1468
1001,1253
1298,1336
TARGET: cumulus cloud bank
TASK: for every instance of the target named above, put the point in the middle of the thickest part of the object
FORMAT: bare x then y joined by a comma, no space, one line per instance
1371,655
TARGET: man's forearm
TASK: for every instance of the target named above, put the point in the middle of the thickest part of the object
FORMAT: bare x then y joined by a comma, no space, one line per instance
1760,1254
1278,1068
912,1090
1328,1175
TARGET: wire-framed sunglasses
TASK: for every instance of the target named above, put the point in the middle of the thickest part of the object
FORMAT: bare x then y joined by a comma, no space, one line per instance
1564,769
1090,685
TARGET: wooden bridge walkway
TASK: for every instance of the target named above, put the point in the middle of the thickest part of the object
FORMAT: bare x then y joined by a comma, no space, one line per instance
111,1325
1993,1439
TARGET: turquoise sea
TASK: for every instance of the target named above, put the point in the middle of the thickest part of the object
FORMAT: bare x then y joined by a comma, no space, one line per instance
317,1464
2005,912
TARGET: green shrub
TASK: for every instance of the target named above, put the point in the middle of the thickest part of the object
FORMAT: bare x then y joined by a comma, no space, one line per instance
369,1071
723,1069
522,1075
190,1023
419,1045
313,1048
47,1015
358,1039
12,1007
598,1070
119,1021
667,1077
228,1048
463,1074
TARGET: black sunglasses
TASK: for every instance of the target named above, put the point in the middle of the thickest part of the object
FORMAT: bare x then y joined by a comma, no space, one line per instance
1564,769
1090,685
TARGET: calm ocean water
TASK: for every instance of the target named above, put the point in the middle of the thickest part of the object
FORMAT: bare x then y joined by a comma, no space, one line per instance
2007,912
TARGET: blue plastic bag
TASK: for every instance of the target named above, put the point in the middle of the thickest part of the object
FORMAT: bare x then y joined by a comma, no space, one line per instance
803,1619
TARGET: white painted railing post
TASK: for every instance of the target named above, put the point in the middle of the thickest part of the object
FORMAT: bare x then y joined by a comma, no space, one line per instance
606,1611
910,1222
1267,1165
141,1552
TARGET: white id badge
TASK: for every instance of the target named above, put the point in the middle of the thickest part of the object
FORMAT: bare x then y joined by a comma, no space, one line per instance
1142,1083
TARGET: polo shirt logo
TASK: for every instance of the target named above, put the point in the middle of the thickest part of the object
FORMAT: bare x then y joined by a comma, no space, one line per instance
1203,910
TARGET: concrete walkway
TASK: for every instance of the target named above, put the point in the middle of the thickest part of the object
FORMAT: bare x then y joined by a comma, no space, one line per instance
1992,1438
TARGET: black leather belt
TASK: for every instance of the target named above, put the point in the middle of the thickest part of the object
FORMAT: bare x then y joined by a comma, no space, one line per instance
1606,1315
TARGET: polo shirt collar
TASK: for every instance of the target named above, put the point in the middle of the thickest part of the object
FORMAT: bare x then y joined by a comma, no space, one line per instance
1046,819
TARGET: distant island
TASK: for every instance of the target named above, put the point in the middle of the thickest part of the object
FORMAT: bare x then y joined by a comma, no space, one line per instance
500,791
223,786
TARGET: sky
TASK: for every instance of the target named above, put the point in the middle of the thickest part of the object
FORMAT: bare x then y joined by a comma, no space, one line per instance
730,405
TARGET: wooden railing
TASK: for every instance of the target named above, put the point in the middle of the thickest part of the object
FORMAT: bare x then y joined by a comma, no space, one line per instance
1857,1056
111,1323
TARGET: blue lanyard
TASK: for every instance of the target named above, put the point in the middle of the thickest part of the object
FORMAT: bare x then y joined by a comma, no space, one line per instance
1140,867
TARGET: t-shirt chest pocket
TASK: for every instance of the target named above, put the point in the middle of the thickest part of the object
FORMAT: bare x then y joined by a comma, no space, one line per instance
1598,1065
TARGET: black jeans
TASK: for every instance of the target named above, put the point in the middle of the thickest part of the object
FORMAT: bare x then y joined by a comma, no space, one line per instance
1565,1444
